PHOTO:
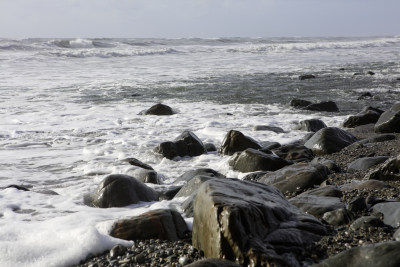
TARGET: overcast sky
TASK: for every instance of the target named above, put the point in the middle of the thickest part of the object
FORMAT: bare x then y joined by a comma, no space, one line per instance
198,18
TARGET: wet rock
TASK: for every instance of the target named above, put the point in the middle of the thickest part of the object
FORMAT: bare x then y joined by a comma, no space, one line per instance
365,95
366,116
330,164
366,222
370,73
210,147
296,177
357,204
294,152
274,129
390,211
329,140
147,176
255,176
187,176
270,145
251,223
167,192
377,139
389,121
19,187
328,106
338,217
138,163
312,125
187,144
158,109
236,141
193,185
213,263
363,164
379,255
306,77
156,224
389,171
119,190
299,103
252,160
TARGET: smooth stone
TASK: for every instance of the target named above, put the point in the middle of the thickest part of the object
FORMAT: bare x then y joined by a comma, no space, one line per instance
187,176
161,224
294,152
138,163
366,222
299,103
364,185
329,140
338,217
274,129
366,116
378,255
390,211
147,176
330,164
396,235
116,251
312,125
119,190
389,121
251,223
252,160
363,164
213,263
236,141
296,177
159,110
209,147
328,106
389,171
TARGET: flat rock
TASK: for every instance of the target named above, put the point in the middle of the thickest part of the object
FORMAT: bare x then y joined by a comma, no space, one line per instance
389,121
365,222
297,177
236,141
251,223
312,125
159,110
119,190
377,255
390,211
389,171
306,77
252,160
329,140
363,164
156,224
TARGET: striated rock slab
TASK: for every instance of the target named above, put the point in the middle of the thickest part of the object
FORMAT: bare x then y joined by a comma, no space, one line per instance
251,224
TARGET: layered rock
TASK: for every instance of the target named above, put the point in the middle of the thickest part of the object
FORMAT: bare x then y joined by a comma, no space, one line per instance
251,223
236,141
329,140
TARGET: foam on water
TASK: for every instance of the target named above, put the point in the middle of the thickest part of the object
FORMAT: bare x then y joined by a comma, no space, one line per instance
69,117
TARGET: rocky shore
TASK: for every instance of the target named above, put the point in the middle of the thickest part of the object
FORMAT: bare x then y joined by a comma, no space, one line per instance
332,199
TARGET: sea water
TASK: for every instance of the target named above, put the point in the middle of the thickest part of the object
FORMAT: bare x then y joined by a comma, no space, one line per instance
69,116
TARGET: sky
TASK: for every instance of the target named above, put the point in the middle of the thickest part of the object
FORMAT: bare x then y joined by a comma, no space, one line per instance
197,18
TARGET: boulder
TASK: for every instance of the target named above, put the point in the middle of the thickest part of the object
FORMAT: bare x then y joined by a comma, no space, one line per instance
187,144
156,224
328,106
147,176
236,141
299,103
294,152
158,109
378,255
330,164
366,116
274,129
297,177
209,147
252,160
187,176
119,190
389,121
390,211
389,171
254,176
251,223
364,185
306,77
213,263
363,164
329,140
338,217
312,125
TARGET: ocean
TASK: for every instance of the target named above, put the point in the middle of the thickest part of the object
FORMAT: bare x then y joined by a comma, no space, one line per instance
69,116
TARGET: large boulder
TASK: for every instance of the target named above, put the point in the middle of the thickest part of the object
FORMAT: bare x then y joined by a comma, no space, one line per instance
294,152
236,141
366,116
389,121
328,106
252,160
156,224
329,140
312,125
389,171
390,211
189,175
251,223
119,190
297,177
187,144
377,255
159,110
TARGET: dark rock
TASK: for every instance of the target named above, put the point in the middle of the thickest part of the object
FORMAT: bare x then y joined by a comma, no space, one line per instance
119,190
138,163
329,140
364,185
338,217
366,116
274,129
377,255
296,177
270,145
155,224
158,109
364,95
252,160
116,251
363,164
306,77
255,176
251,223
209,147
187,144
328,106
390,211
294,152
366,222
377,139
213,263
299,103
19,187
319,201
370,72
167,192
147,176
193,185
389,121
236,141
357,204
390,170
187,176
312,125
330,164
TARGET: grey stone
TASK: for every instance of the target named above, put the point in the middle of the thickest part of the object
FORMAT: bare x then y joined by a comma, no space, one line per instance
312,125
366,222
328,106
357,204
338,217
389,171
158,109
389,121
147,176
210,147
251,223
138,163
193,185
167,192
364,185
366,116
268,128
187,176
294,152
306,77
363,164
254,176
390,211
236,141
330,164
